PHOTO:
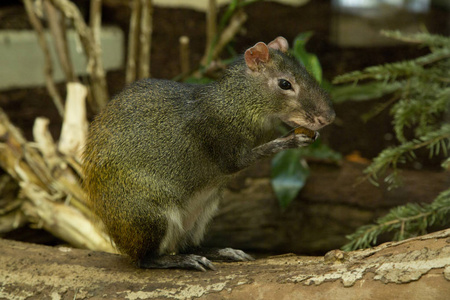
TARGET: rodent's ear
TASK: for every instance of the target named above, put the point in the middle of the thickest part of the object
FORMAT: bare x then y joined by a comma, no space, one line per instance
256,55
280,43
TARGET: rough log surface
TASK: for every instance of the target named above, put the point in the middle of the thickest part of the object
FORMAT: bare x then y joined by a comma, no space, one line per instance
418,268
328,208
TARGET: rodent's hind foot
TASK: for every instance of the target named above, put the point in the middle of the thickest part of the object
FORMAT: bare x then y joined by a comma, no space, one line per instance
225,254
177,261
234,255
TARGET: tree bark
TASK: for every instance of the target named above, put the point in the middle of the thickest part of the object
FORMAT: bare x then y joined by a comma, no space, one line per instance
418,268
328,208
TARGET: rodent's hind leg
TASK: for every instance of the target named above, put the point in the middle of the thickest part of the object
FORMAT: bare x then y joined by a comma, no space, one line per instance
177,261
224,254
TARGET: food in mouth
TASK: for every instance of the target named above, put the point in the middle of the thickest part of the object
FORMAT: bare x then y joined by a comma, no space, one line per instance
305,131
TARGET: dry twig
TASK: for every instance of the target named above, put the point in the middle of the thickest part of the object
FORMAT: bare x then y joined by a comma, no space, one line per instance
133,36
236,23
51,87
92,50
58,31
211,26
145,39
216,44
95,21
184,56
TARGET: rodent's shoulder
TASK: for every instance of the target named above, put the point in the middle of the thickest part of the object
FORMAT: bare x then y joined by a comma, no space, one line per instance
157,86
152,93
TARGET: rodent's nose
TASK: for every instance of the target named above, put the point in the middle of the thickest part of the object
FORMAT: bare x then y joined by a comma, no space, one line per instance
326,118
331,116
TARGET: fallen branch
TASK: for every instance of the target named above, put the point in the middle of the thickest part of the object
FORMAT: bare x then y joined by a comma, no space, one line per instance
418,268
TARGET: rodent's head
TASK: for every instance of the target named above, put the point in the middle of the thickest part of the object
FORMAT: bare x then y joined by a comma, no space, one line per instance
296,98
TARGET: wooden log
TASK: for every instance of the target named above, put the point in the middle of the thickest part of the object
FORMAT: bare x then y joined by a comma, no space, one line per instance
328,208
418,268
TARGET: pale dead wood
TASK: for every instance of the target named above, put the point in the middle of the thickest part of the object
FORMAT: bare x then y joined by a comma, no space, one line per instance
418,268
11,216
12,153
12,219
75,124
63,221
50,194
45,143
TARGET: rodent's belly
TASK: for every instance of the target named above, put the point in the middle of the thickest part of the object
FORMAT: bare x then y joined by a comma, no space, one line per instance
186,225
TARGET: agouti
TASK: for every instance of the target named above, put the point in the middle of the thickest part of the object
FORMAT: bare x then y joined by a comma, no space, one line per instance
158,156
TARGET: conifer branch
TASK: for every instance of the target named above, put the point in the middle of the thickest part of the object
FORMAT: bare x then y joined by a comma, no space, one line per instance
409,220
421,98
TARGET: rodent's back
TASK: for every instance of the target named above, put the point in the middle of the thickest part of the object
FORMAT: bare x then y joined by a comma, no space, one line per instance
141,125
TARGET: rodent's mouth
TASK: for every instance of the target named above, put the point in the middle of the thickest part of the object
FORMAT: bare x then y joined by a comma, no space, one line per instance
293,124
301,128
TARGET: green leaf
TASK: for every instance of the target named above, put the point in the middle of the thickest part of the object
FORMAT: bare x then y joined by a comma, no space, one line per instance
289,175
309,60
303,38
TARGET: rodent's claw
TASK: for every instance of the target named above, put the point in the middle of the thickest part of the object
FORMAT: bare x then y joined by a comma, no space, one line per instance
234,255
302,140
182,261
198,262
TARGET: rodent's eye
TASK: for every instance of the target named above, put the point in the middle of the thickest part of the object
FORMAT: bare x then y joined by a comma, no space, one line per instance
284,84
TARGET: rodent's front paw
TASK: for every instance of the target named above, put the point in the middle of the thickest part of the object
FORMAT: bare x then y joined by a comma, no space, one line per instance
301,139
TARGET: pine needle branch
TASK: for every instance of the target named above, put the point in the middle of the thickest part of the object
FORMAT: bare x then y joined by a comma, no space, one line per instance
390,158
409,220
420,101
422,38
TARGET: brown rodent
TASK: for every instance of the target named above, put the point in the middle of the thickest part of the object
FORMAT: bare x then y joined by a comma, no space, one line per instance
158,156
